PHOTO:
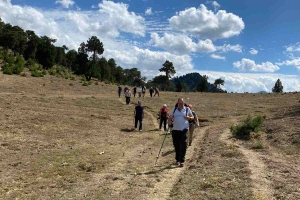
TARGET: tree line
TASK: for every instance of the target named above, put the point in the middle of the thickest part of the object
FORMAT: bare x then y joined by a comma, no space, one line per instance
28,49
38,53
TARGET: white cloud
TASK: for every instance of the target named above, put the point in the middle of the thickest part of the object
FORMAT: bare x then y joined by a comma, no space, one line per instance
65,3
148,11
216,5
250,82
207,24
119,16
215,56
250,65
253,51
293,48
178,43
149,61
294,62
227,47
93,6
73,27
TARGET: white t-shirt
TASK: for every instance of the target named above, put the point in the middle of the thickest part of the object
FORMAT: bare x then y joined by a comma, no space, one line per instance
140,90
127,93
179,123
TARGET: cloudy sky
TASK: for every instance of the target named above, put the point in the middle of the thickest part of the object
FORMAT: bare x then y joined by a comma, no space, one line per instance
249,43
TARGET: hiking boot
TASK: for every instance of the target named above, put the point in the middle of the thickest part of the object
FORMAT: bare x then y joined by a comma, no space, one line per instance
141,130
176,163
181,165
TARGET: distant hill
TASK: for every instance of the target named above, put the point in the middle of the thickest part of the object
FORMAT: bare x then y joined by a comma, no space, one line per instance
262,92
192,80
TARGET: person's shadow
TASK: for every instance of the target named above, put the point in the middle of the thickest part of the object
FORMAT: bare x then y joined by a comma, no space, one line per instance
167,153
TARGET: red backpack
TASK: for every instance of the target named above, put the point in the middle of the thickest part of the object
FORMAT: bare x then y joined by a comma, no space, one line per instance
164,112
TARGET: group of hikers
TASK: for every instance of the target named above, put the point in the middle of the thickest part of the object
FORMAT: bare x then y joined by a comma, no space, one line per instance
141,90
181,120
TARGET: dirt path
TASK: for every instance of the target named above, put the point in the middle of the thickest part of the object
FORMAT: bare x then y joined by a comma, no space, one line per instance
261,186
170,177
154,120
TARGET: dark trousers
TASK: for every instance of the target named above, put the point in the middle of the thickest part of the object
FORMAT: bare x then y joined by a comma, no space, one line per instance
163,120
119,92
127,100
151,94
180,144
134,93
140,120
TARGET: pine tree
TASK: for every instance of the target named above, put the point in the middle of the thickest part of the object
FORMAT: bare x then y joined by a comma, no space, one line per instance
278,88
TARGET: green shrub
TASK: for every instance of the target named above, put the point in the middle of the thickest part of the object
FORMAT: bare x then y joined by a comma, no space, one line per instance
83,79
52,72
7,69
258,145
251,124
44,72
90,82
72,78
85,84
107,82
96,83
29,63
12,68
37,73
18,68
32,68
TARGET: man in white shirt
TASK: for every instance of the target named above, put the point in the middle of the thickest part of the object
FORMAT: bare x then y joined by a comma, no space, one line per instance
127,96
140,91
180,117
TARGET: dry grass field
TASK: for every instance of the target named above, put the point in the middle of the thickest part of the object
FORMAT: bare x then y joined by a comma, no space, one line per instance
62,140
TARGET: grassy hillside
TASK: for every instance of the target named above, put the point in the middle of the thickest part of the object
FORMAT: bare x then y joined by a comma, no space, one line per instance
62,140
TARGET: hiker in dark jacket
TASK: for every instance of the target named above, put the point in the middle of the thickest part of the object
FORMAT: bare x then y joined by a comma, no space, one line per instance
151,91
119,90
134,91
139,115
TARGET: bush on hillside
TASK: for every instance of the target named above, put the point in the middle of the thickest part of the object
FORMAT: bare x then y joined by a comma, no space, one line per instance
7,69
37,73
251,124
13,65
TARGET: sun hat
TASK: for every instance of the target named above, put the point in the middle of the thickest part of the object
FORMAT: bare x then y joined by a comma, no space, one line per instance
165,105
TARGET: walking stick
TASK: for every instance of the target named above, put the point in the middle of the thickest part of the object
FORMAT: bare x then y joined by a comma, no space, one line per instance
161,145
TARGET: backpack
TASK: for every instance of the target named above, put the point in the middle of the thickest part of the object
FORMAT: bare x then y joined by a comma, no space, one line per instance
163,112
193,121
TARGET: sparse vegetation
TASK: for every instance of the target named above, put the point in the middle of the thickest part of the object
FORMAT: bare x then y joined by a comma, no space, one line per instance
251,124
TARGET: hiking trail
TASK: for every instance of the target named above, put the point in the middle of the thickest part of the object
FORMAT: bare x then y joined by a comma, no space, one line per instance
261,185
154,120
170,177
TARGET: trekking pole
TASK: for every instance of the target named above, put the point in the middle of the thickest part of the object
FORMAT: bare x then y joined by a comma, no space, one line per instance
161,145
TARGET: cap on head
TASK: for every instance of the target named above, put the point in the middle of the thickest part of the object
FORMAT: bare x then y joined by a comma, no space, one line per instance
165,105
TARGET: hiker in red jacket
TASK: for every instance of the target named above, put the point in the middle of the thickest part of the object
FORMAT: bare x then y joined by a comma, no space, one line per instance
163,116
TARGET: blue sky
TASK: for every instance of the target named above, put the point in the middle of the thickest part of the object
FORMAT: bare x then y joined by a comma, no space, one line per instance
248,43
